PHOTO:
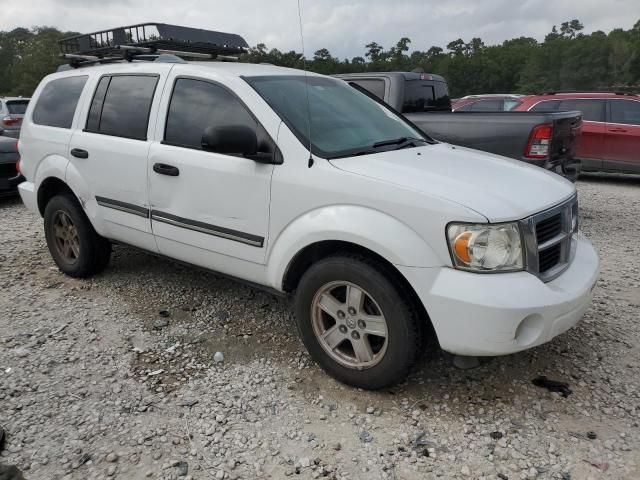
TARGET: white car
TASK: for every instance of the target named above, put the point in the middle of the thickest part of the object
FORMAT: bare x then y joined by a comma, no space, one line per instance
384,235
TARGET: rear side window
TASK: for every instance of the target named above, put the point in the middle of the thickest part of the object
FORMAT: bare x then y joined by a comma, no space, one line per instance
197,105
121,106
374,86
17,107
625,111
494,105
57,102
593,110
424,96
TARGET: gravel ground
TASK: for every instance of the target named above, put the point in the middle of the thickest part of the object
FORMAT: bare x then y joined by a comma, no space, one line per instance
96,383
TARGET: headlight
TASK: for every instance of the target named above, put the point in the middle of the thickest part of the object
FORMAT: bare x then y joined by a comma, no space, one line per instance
485,247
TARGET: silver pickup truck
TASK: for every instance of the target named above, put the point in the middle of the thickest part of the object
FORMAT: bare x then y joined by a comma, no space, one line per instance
547,140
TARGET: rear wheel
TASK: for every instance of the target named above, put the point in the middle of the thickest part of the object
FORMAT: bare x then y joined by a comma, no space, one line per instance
75,246
355,323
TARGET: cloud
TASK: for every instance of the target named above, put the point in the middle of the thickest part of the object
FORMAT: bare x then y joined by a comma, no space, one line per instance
342,26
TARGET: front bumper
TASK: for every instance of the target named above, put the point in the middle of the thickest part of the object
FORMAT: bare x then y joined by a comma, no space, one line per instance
502,313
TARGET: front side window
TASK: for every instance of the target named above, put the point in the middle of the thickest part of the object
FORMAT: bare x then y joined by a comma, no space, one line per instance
57,103
340,120
121,106
197,105
625,111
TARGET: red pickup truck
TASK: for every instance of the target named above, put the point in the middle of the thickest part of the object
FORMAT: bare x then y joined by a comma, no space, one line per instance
610,130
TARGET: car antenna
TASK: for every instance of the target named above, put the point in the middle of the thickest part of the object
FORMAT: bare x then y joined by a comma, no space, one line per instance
306,82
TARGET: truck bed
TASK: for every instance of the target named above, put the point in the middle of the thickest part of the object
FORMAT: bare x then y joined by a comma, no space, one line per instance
503,133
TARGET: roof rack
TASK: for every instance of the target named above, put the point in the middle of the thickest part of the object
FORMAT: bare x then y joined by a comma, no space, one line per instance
148,41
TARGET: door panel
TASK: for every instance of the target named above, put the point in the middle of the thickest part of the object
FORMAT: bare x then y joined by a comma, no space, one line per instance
109,152
622,145
209,208
217,203
591,144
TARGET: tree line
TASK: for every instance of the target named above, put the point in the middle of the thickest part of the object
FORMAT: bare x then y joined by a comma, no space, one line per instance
567,59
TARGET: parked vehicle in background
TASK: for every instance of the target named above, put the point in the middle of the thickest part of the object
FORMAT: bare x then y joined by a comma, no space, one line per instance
547,140
486,103
611,127
9,172
11,112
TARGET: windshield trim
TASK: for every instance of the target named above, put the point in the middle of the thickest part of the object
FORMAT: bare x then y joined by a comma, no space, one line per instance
361,150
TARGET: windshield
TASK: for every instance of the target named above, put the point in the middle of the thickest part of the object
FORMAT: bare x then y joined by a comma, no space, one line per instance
344,121
17,107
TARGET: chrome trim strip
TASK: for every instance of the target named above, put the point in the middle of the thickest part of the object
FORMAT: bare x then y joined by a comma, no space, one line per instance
565,238
248,239
553,241
122,206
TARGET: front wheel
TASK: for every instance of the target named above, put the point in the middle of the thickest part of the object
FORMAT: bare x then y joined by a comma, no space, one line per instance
355,323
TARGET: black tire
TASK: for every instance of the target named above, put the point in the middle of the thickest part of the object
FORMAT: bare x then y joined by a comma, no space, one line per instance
94,250
571,171
402,319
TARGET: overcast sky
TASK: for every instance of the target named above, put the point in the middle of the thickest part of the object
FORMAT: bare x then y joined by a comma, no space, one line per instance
342,26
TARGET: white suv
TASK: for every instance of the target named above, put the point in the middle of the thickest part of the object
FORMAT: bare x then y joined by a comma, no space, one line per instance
300,183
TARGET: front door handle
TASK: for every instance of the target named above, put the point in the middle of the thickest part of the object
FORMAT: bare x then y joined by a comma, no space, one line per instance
164,169
79,153
621,130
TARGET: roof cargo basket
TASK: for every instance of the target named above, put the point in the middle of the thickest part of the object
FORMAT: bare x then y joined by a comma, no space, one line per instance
146,41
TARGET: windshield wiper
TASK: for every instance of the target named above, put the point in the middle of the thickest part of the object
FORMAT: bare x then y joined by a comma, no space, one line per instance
398,141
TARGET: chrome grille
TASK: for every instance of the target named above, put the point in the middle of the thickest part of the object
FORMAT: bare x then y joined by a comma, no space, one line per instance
548,239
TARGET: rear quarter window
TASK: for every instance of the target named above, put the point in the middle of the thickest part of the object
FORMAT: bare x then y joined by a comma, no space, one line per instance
57,102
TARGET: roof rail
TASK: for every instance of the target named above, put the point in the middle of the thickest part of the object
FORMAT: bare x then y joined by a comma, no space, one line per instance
149,41
579,92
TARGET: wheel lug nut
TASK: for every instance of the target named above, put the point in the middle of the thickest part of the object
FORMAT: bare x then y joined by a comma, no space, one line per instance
355,335
340,314
352,311
361,324
342,329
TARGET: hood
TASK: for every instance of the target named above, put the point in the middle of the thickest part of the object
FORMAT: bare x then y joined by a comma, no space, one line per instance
499,188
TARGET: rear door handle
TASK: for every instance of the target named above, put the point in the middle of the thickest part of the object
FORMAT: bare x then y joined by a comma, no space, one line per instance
621,130
164,169
79,153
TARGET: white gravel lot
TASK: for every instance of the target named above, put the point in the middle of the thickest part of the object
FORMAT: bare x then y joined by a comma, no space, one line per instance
95,383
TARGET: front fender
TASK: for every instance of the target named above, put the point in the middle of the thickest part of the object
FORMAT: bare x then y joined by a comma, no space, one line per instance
388,237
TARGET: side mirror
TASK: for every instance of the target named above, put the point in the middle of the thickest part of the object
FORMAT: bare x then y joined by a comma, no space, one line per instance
235,140
232,139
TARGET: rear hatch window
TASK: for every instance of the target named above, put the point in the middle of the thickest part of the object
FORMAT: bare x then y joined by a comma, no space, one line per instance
17,107
425,96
